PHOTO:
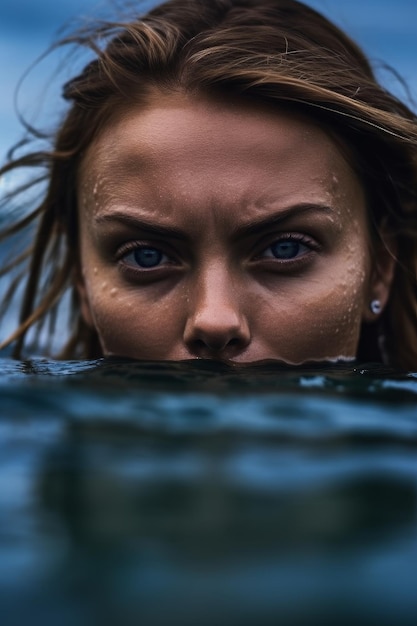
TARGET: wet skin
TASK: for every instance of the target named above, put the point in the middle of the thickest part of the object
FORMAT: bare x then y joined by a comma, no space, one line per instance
222,230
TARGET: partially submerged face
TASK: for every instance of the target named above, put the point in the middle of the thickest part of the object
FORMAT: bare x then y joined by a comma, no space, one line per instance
218,230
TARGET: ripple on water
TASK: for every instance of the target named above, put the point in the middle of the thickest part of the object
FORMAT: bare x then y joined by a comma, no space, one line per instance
200,493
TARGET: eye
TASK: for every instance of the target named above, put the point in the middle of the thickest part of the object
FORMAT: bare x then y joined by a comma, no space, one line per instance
286,249
146,257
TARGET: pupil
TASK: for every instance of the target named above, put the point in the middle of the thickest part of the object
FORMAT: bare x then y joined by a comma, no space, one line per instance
286,249
147,257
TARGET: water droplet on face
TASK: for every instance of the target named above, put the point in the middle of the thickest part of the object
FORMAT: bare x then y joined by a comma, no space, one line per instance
113,292
95,271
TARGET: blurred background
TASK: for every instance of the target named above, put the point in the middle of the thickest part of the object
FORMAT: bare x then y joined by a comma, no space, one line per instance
387,30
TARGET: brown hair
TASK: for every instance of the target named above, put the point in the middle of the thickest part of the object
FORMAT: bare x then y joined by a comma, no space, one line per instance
278,51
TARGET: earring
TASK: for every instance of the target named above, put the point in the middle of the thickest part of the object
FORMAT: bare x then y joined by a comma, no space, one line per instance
375,307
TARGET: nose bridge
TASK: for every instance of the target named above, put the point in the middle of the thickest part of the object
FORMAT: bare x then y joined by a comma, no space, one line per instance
215,295
214,274
215,316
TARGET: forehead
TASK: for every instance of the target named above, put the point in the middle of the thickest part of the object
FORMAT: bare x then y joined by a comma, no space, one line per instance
221,150
164,117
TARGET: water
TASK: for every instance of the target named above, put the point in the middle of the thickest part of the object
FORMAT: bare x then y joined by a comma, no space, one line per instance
195,493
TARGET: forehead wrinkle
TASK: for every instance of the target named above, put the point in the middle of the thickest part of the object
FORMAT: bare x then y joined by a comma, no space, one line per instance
119,169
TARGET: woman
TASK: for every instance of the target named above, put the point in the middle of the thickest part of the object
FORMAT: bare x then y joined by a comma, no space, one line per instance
230,182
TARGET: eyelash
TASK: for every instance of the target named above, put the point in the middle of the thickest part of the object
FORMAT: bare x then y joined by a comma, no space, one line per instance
133,247
310,244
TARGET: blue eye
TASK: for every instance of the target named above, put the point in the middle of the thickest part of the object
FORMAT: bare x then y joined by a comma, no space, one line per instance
286,249
146,257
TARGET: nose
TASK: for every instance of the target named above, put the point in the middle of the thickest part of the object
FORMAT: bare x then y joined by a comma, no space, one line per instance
216,326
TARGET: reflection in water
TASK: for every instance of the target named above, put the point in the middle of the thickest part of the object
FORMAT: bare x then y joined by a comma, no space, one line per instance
201,494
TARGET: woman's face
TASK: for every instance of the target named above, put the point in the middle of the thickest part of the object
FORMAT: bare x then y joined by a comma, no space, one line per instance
225,231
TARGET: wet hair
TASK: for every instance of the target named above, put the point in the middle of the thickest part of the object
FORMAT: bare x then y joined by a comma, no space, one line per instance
279,52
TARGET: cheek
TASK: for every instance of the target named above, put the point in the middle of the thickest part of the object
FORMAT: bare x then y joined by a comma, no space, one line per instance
132,325
317,320
336,320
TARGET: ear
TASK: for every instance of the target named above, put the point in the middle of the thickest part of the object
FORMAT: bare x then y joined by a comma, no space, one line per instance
384,262
85,307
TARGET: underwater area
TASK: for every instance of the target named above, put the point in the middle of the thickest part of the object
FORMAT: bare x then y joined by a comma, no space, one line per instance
199,493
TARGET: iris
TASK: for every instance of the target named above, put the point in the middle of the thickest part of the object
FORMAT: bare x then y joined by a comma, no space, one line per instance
286,249
147,257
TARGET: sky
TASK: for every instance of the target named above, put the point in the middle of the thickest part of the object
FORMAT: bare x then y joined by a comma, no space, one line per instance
387,30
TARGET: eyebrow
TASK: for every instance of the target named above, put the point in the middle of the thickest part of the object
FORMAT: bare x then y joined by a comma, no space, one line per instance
258,226
240,232
143,225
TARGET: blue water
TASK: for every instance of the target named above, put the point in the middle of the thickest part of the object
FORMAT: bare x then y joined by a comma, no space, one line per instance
196,493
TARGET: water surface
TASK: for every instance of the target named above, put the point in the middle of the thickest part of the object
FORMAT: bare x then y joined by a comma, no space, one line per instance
196,493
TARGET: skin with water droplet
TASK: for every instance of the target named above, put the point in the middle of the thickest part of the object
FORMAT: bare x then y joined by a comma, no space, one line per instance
207,169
